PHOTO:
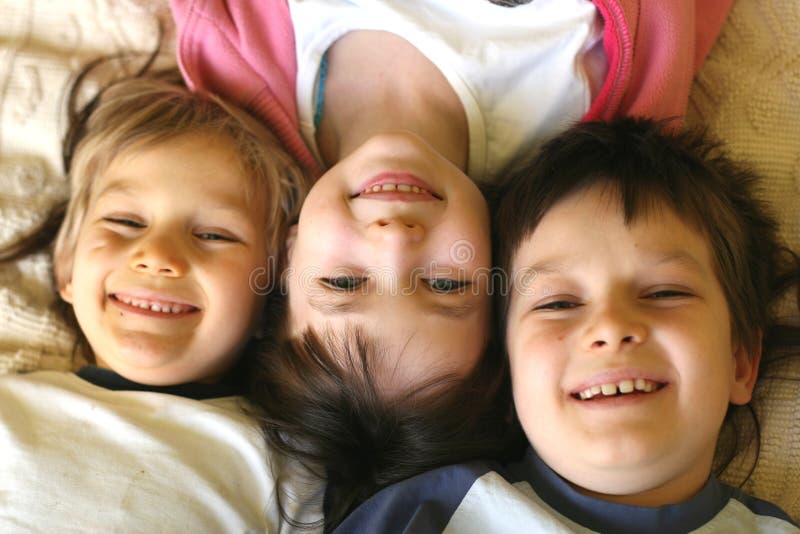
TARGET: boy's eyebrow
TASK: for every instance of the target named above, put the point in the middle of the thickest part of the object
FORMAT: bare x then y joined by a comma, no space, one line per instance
656,258
680,257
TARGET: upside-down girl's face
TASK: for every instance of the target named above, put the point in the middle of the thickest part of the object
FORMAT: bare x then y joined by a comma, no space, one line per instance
621,351
161,273
395,238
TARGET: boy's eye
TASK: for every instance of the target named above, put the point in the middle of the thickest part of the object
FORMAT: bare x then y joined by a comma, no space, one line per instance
343,283
445,285
667,294
124,222
211,236
557,305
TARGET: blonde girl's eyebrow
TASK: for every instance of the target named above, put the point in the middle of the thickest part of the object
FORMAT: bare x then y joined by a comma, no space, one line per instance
124,187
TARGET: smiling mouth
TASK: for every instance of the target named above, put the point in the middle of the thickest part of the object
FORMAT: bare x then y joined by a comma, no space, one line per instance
396,186
395,189
166,308
618,389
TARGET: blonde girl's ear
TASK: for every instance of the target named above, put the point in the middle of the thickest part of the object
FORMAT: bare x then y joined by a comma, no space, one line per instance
66,292
746,364
62,268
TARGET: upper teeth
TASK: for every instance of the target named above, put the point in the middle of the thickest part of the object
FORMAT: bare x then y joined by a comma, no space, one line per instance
623,386
163,307
403,188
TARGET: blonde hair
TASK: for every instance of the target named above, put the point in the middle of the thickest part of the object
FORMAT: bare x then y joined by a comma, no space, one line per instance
144,110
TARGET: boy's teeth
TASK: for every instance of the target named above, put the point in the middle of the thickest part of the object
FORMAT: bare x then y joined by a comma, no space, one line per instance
622,387
403,188
609,389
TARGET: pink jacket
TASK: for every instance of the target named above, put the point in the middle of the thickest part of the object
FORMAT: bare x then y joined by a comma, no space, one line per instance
244,50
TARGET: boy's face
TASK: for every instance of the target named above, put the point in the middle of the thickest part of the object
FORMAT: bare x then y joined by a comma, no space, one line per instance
161,270
619,308
402,263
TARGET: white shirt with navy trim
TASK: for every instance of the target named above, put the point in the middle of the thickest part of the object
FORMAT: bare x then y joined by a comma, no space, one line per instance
482,497
98,453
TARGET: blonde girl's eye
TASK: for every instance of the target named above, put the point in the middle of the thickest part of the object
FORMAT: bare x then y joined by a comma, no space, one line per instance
124,221
213,236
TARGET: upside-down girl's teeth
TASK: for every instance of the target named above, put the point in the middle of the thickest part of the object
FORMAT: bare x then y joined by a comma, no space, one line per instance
403,188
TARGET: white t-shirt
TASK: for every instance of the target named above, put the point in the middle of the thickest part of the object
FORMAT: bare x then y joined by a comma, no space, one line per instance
523,74
76,457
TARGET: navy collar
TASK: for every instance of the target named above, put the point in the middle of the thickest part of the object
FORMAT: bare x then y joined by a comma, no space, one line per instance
108,379
603,516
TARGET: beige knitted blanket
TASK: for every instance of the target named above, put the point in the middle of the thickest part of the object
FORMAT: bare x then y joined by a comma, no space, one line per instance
748,93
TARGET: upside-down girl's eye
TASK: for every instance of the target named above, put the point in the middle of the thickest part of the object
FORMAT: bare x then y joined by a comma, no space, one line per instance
445,285
343,283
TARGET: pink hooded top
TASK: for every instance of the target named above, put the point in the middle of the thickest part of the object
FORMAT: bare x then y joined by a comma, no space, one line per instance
245,51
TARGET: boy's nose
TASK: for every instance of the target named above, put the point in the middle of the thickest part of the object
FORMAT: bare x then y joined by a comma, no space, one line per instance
612,329
159,257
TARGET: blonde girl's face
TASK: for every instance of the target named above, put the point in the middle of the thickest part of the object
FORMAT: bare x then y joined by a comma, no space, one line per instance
621,351
162,268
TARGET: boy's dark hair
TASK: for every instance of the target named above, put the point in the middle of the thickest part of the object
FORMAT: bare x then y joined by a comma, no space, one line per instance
319,402
650,164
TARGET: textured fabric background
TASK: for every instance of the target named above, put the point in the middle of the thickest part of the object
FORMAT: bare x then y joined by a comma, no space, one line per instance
748,94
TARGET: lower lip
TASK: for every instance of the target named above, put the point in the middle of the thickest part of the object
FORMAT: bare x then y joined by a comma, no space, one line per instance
150,313
617,401
398,178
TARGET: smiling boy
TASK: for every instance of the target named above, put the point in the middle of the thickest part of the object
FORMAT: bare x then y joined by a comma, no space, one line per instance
649,270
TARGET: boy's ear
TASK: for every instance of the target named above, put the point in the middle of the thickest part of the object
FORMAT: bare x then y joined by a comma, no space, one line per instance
291,237
745,373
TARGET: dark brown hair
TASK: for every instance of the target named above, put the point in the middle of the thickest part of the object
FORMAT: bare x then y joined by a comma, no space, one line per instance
320,403
650,165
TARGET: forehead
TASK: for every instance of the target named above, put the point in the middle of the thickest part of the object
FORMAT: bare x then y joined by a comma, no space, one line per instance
592,222
189,163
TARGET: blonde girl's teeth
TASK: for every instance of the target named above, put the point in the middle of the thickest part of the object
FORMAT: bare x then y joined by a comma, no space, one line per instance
596,390
176,309
376,188
404,188
415,189
639,384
